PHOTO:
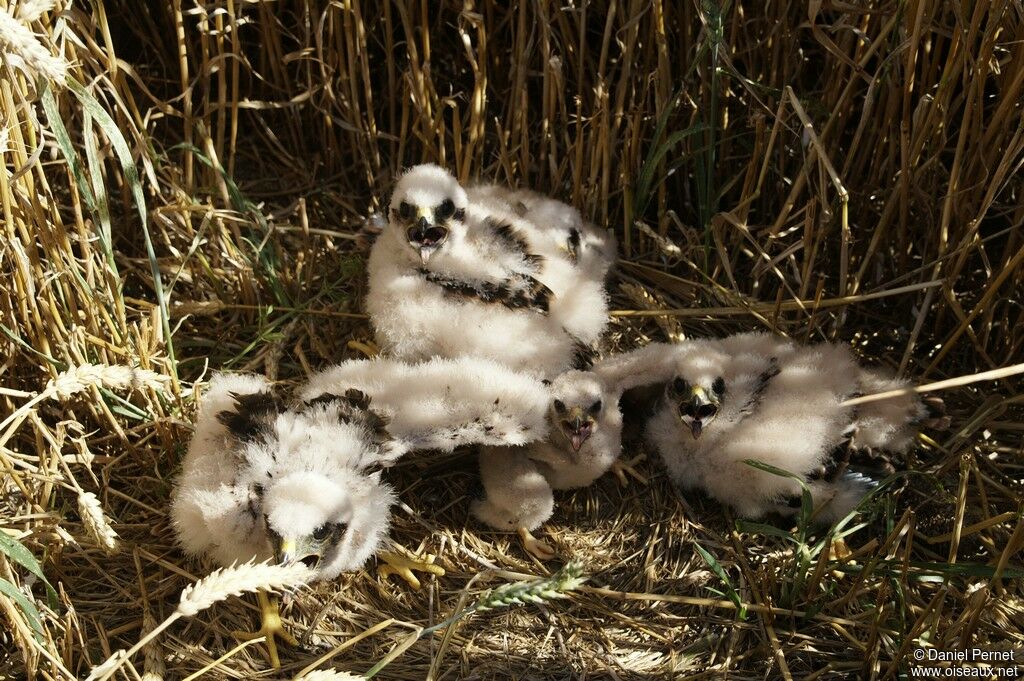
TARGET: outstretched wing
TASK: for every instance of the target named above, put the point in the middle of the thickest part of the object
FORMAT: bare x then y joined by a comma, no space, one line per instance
651,364
441,403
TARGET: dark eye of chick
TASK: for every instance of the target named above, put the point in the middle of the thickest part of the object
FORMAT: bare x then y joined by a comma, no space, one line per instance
719,386
595,407
405,211
559,406
679,386
445,210
321,532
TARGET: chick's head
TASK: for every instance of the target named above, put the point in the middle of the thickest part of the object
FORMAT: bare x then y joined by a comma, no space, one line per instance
428,206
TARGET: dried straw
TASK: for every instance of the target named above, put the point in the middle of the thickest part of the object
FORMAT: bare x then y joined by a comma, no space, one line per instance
844,171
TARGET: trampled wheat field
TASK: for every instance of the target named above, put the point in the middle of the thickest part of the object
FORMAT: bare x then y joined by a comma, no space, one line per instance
183,190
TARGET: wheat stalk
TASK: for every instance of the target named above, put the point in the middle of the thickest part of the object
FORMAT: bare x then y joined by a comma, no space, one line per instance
107,667
218,586
80,378
994,374
25,51
96,522
569,578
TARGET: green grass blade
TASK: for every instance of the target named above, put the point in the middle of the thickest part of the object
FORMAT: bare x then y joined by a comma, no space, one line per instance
27,607
719,571
646,183
101,205
763,529
66,147
131,176
16,551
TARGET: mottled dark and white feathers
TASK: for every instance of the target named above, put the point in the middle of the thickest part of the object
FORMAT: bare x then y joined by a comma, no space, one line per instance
763,398
557,229
442,404
483,287
265,478
261,480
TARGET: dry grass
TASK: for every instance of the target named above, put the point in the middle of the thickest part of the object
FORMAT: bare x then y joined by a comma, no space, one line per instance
825,170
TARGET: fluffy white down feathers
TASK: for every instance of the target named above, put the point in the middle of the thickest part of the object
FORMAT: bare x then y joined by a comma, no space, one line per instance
585,439
759,397
260,475
273,473
443,403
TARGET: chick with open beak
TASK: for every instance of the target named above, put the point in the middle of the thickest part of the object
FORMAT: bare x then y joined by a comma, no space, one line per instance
426,227
309,549
577,423
697,405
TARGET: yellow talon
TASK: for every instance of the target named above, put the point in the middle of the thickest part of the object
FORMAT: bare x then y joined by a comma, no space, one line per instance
271,627
535,547
403,566
368,348
621,468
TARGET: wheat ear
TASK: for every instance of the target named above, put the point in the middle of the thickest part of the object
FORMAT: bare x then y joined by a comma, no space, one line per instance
96,522
80,378
31,10
18,41
329,675
217,586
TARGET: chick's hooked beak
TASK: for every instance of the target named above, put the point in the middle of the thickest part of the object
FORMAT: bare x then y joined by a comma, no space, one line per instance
425,234
578,427
288,550
700,410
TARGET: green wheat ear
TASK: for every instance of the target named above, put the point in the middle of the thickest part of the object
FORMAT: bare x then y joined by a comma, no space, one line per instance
569,578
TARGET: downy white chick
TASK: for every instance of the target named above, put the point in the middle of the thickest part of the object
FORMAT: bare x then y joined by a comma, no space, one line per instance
585,441
452,278
557,229
263,479
759,397
890,425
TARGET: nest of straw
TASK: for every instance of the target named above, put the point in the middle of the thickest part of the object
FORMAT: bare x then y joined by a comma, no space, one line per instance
184,189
